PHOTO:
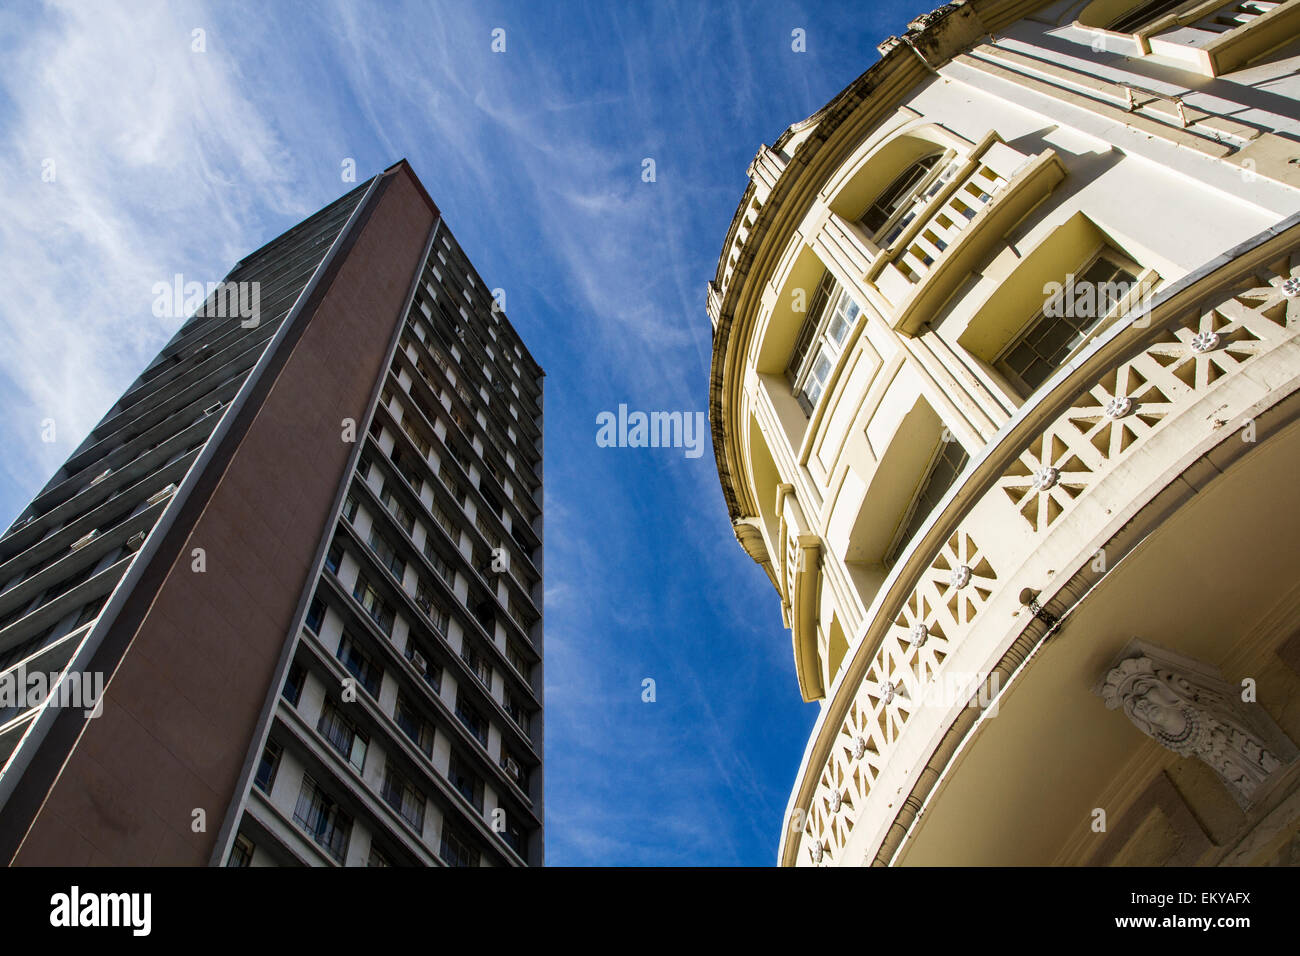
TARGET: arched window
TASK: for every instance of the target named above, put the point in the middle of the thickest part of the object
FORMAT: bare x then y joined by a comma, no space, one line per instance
907,189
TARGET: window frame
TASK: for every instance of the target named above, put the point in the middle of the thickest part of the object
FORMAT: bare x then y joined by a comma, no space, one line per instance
906,530
1116,258
918,195
830,301
275,751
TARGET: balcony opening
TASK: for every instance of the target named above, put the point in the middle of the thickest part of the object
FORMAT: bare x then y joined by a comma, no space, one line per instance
919,464
1046,305
1145,14
1058,328
946,463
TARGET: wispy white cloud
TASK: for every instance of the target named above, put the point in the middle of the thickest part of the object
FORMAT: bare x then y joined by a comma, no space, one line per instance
171,161
122,146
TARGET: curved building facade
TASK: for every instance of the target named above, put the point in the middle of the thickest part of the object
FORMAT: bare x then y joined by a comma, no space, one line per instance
1005,398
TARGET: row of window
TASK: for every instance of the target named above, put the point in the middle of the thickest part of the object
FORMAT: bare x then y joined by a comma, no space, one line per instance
1042,345
352,743
426,597
465,426
343,734
489,307
410,467
518,451
369,676
406,519
330,826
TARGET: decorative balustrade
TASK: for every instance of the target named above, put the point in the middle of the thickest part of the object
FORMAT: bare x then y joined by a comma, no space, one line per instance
1032,499
1217,37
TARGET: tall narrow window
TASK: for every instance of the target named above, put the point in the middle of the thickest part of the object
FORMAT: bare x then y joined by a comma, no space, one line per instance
399,511
343,735
315,615
267,766
293,683
387,554
413,431
472,719
334,558
359,664
241,853
465,780
481,668
456,849
831,313
407,469
323,820
414,726
947,463
517,659
400,794
445,522
431,606
516,710
380,611
439,564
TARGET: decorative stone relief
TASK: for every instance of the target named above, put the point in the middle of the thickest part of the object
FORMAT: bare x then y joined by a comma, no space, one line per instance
1046,477
1187,708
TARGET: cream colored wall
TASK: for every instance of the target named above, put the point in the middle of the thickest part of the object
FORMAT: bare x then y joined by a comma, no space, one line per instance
1040,108
1114,177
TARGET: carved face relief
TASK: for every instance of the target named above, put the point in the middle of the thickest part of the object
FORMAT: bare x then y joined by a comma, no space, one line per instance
1156,709
1194,716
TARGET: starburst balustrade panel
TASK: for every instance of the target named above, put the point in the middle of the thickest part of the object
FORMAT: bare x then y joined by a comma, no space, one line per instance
1130,402
948,596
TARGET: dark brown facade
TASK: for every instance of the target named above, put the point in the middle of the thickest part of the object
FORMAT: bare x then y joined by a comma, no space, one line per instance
194,659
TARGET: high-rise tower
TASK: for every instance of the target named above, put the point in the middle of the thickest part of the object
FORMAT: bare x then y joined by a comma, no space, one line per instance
303,555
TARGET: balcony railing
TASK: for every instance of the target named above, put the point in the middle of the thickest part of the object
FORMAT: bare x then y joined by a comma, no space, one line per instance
955,226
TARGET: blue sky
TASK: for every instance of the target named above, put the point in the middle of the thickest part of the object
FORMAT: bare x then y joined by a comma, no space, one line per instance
168,160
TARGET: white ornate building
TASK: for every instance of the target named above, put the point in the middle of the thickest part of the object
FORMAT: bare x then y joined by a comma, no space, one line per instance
1005,400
